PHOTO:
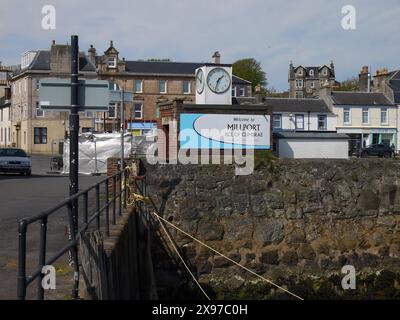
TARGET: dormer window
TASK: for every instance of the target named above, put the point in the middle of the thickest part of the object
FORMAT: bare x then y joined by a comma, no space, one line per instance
324,71
112,62
300,72
311,73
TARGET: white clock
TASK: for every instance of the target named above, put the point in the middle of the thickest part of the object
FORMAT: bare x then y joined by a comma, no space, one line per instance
200,81
218,80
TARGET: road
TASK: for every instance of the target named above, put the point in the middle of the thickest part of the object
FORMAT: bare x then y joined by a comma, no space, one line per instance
23,197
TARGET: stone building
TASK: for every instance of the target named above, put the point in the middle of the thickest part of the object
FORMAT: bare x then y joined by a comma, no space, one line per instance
304,82
5,106
152,82
33,129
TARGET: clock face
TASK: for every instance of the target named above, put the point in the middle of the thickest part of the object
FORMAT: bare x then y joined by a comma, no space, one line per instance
200,81
218,80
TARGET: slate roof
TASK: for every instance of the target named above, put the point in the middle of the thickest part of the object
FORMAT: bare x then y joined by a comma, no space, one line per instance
171,68
42,62
360,98
297,105
310,135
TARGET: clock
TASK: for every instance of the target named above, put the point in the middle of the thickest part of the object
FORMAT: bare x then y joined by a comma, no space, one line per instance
200,81
218,80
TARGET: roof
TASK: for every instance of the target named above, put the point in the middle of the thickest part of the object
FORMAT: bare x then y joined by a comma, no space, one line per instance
42,62
310,135
360,98
297,105
175,68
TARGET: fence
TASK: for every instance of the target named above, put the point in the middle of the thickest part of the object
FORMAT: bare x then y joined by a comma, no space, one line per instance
109,208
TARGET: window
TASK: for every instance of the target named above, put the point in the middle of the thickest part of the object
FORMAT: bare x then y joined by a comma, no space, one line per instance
311,73
299,121
86,129
241,92
162,86
312,84
186,87
346,115
112,111
299,94
299,83
39,111
40,135
89,114
233,91
322,125
138,112
277,121
138,86
112,62
324,71
37,84
1,135
300,72
113,86
24,137
384,116
365,115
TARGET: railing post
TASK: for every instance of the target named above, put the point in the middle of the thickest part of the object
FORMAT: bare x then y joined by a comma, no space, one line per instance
85,208
42,255
75,291
22,260
120,193
107,211
98,206
114,199
125,175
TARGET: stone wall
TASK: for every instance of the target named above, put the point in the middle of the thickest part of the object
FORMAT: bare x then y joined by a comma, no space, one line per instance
294,221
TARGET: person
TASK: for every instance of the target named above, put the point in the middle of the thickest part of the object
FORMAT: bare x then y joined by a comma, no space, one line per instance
393,149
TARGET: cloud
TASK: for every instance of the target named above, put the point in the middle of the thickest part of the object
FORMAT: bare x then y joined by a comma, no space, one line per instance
274,32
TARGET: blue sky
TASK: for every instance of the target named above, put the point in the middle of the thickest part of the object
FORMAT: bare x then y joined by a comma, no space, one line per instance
274,32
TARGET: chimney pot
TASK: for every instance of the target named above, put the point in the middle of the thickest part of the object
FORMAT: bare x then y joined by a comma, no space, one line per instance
216,58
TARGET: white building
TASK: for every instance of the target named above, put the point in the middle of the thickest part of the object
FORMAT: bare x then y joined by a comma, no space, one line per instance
306,128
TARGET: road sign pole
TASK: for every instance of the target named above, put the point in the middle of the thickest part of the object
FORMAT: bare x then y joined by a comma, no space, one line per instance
122,128
74,153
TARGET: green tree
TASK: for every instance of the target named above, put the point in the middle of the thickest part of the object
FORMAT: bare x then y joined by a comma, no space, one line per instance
250,69
350,84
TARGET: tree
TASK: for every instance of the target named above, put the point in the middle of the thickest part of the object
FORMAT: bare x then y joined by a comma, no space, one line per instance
350,84
250,69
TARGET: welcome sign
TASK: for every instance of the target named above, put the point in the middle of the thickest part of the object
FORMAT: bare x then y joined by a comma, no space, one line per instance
224,131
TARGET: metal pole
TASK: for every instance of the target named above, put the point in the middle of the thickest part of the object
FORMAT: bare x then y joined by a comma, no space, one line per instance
122,128
74,155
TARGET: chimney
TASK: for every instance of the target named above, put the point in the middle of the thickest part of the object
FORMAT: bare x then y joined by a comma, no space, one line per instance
92,55
216,58
258,94
364,80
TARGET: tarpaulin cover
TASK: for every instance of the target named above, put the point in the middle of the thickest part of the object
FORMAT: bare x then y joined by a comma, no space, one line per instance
96,148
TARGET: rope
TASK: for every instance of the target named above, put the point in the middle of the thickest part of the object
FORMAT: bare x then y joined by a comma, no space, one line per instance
222,255
183,261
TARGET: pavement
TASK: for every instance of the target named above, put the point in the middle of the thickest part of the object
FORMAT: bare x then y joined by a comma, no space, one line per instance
21,197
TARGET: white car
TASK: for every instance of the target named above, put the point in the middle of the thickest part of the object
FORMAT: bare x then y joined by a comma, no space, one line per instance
13,160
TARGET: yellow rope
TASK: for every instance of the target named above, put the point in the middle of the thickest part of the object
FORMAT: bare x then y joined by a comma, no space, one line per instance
222,255
183,261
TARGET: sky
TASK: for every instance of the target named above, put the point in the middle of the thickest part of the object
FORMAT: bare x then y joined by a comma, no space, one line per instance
307,32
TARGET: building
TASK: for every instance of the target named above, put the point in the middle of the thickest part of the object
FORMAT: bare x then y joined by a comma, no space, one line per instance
152,82
301,115
35,130
366,117
5,106
306,128
305,82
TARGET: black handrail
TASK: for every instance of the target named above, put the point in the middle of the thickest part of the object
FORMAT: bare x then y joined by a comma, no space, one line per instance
118,194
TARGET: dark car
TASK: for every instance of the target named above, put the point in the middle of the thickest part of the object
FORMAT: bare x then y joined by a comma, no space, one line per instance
377,150
13,160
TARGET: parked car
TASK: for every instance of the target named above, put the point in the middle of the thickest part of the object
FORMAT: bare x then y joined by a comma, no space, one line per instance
377,150
14,160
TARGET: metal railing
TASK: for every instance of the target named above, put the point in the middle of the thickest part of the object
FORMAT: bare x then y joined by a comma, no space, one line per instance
118,198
